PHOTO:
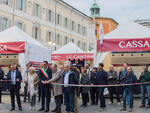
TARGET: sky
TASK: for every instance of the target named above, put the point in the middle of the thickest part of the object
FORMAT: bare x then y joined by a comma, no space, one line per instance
120,10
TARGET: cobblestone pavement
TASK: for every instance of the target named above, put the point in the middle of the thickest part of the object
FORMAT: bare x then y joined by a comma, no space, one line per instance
5,106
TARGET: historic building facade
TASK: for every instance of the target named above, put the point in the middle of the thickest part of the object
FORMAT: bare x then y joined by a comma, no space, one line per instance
51,21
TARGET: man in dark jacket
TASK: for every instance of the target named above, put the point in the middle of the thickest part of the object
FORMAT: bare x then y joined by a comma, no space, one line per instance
84,90
45,74
14,84
94,90
69,91
1,78
145,88
76,70
129,78
101,79
112,79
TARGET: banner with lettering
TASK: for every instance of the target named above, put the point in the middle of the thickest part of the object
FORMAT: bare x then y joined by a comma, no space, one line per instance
12,47
66,57
120,45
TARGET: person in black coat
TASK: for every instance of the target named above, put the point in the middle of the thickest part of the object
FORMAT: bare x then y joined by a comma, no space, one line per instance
1,83
129,78
45,74
101,79
94,90
13,85
84,90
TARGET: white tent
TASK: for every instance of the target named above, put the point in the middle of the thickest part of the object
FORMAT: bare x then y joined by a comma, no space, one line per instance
69,48
34,51
129,30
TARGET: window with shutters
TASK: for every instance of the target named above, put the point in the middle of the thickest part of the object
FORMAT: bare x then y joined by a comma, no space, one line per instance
79,28
66,22
4,23
36,32
20,5
73,26
36,10
49,36
49,15
5,2
58,39
66,40
78,43
58,19
72,40
84,31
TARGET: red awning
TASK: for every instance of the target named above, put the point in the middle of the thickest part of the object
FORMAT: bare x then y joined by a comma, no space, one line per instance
65,57
12,47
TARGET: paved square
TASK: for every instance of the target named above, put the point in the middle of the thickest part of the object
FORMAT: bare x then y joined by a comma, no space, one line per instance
5,106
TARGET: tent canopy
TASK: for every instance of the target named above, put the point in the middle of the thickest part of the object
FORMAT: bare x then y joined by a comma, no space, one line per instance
127,37
68,48
130,36
71,51
129,30
34,51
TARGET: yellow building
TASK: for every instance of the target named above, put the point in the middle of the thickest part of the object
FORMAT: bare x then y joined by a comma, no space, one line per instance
48,21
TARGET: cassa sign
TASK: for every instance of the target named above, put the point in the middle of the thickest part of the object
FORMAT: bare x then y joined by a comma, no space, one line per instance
124,45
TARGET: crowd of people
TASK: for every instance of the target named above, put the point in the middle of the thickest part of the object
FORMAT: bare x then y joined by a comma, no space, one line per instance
62,82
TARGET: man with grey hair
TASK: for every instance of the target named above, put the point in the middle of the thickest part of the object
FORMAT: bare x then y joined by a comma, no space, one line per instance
112,79
129,78
14,84
69,77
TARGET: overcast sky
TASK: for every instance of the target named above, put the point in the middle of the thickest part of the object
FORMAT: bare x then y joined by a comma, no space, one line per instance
120,10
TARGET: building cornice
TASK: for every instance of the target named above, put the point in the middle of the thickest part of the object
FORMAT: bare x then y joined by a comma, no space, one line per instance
107,18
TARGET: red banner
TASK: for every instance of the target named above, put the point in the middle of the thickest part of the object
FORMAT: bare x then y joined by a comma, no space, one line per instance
65,57
12,47
118,45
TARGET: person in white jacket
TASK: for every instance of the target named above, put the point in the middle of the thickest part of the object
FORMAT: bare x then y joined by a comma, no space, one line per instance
32,82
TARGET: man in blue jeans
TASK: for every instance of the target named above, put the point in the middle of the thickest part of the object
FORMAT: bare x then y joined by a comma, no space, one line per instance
145,88
129,78
69,91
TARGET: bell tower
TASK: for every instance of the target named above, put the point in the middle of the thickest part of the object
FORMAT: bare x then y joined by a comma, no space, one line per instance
95,10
